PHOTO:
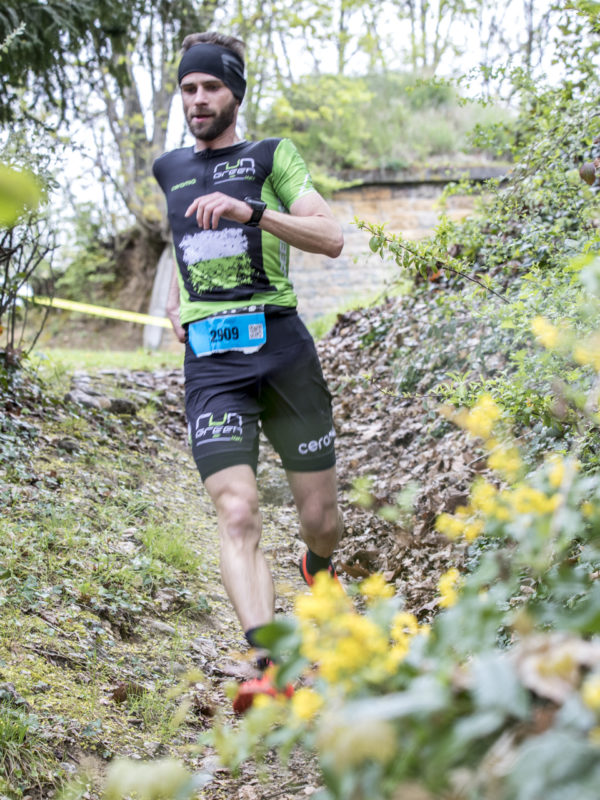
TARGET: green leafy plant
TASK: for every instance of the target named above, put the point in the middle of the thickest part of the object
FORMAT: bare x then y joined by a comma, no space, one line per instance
387,700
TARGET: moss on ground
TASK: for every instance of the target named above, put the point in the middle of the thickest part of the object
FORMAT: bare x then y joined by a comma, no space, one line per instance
111,603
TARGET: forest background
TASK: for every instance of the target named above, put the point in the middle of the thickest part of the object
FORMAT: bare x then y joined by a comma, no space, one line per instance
491,688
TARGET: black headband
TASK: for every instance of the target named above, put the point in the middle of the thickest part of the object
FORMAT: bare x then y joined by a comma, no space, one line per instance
215,60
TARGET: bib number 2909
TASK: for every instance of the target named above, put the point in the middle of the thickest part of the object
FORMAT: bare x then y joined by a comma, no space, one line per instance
225,334
246,332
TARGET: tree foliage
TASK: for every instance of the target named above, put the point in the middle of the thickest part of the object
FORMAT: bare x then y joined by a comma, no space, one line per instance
380,120
42,38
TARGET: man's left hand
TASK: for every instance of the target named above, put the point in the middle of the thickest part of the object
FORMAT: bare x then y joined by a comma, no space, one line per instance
209,208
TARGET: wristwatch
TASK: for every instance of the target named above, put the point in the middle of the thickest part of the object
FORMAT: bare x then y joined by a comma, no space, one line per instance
258,209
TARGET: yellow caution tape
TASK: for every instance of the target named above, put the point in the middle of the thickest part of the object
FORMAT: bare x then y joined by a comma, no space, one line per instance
102,311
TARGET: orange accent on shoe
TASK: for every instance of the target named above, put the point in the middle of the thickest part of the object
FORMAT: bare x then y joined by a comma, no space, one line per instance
248,690
308,577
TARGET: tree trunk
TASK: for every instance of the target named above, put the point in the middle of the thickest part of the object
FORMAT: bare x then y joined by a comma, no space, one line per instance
136,252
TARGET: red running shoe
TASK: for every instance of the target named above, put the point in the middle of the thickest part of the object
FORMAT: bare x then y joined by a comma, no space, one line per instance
248,690
307,577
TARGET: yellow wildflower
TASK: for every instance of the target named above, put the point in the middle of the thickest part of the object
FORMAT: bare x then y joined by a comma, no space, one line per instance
556,474
506,461
404,624
462,523
587,509
588,352
404,627
345,645
396,655
558,469
473,529
450,526
590,692
484,497
376,587
262,701
527,500
482,417
326,600
448,587
545,332
306,703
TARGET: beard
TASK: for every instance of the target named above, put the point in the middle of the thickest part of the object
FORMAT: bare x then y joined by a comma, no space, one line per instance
213,127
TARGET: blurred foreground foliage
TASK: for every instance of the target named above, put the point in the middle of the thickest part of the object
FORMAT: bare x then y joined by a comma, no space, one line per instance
499,695
27,238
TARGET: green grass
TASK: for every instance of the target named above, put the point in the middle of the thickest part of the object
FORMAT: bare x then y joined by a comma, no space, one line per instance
93,545
63,360
26,760
169,543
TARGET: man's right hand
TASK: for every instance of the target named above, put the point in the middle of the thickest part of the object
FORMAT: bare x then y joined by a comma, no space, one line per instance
173,306
177,326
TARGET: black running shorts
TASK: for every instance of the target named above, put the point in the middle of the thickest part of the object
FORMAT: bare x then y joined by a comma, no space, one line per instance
279,388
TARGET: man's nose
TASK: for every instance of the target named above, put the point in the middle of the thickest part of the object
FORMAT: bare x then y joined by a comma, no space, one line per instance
200,96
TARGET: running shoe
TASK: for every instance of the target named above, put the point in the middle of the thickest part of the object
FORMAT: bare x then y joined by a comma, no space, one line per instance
306,575
248,690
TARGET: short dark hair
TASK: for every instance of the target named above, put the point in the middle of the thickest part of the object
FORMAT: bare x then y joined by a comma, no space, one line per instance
232,43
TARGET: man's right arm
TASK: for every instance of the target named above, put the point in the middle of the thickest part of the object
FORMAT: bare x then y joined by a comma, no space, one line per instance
173,303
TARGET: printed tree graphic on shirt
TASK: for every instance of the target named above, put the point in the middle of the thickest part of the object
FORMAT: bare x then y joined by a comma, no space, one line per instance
218,260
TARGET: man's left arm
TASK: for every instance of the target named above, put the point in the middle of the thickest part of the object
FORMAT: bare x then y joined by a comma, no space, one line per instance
309,226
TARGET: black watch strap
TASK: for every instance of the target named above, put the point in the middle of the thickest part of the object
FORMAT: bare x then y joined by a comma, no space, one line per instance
258,209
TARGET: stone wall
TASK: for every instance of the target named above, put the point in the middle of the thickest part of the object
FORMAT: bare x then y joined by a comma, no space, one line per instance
324,284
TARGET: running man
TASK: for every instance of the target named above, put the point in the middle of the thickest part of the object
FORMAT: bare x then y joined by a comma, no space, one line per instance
234,209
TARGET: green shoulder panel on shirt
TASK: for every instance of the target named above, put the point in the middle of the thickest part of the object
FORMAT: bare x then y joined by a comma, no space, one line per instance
290,176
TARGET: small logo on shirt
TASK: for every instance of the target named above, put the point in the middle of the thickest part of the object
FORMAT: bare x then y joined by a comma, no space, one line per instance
241,170
182,185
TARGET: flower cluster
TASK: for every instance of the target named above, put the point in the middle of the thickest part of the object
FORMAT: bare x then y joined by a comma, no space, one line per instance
585,352
344,644
404,628
481,419
375,588
505,460
489,503
448,587
545,332
588,352
590,692
462,523
306,703
351,649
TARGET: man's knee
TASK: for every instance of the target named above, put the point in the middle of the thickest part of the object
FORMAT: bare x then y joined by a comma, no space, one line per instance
321,519
239,518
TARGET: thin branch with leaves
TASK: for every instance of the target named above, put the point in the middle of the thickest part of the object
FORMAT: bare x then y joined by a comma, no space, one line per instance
411,257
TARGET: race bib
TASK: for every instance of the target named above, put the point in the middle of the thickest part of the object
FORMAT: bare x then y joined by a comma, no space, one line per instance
246,332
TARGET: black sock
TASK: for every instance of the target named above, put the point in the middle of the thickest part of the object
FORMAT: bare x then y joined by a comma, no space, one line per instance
315,563
263,661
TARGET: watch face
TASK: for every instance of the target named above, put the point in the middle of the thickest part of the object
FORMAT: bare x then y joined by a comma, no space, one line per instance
258,207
